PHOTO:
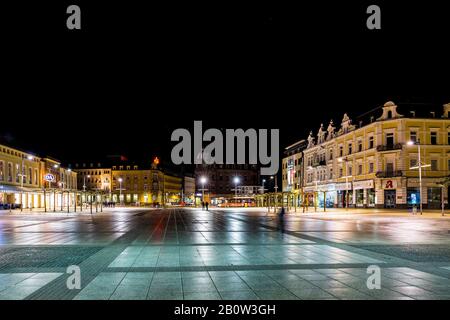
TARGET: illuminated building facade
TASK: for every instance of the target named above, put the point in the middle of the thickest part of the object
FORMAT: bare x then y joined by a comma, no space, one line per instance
222,179
292,167
30,181
130,183
373,165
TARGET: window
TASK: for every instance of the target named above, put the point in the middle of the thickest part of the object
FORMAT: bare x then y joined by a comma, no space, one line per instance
390,139
360,146
1,170
371,142
330,174
10,173
434,165
448,164
17,173
370,167
30,175
349,148
341,172
412,163
360,169
350,170
413,136
341,151
331,154
433,137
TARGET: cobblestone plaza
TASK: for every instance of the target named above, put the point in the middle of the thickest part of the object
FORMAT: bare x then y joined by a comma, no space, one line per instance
223,254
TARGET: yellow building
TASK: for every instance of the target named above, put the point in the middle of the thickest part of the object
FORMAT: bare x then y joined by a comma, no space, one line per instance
172,189
29,181
132,184
374,166
129,183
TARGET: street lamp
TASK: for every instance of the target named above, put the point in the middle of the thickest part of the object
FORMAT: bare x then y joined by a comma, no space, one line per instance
419,166
22,176
120,190
84,181
203,182
236,181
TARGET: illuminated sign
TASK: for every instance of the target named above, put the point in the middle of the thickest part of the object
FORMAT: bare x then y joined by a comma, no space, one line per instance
389,184
49,177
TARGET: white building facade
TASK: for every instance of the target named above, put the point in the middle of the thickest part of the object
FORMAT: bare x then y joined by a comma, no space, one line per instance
373,166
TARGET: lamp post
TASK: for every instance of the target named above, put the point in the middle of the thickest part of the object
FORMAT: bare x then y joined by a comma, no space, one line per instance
419,166
84,181
61,186
22,176
203,182
120,190
263,182
275,196
236,181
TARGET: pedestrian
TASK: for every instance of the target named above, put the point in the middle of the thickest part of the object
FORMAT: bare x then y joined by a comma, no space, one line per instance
282,212
206,204
203,205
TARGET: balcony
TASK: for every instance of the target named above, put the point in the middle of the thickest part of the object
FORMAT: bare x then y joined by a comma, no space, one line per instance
319,163
389,174
389,147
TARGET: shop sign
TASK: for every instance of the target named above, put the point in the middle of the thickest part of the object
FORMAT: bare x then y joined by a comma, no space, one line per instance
321,188
364,184
344,186
389,184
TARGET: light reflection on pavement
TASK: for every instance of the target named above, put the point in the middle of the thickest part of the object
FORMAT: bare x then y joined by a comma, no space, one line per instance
222,254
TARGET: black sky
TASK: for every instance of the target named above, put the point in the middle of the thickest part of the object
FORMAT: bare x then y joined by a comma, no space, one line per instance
135,73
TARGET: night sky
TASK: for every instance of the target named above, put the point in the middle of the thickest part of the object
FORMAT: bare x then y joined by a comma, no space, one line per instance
133,74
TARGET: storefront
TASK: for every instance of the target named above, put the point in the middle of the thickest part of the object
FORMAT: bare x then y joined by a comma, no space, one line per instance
432,193
344,195
16,197
434,197
364,193
390,193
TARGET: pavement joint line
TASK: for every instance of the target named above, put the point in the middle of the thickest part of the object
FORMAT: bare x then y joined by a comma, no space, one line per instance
249,267
368,253
93,269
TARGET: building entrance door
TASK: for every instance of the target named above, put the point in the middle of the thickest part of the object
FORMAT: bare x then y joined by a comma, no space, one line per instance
389,198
